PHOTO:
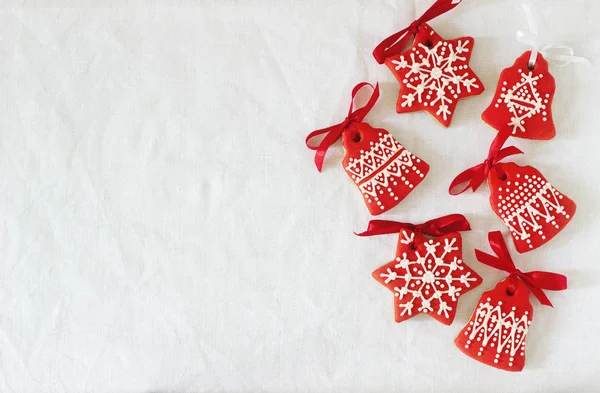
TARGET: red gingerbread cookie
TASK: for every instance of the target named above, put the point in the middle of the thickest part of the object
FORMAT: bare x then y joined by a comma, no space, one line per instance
532,209
382,169
434,74
427,276
495,334
522,105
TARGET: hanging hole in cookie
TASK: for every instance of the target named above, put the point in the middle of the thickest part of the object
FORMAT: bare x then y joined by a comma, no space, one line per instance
530,66
429,43
502,176
413,246
510,291
356,137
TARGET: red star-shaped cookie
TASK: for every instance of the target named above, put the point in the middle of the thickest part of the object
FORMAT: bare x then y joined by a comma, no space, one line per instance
434,74
427,276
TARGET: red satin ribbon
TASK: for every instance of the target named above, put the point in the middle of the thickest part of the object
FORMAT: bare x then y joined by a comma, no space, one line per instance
536,281
436,227
395,43
474,176
335,132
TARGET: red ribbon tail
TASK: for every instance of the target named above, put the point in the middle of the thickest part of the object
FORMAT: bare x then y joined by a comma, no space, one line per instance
506,152
444,225
333,133
540,296
502,259
469,178
536,281
395,43
384,227
498,245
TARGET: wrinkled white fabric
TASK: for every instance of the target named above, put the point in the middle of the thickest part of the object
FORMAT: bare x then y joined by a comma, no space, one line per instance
554,51
163,227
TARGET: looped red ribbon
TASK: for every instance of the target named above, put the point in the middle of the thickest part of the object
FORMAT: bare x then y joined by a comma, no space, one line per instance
436,227
395,43
335,132
536,281
474,176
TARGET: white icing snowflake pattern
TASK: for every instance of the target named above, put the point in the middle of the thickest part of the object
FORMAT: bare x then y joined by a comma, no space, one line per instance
436,76
523,100
428,277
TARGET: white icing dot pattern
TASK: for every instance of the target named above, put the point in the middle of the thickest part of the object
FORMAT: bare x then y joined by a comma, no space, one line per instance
524,101
498,331
529,206
386,163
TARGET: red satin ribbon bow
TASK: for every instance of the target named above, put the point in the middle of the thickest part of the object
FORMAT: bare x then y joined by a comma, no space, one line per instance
536,281
395,43
474,176
335,132
437,227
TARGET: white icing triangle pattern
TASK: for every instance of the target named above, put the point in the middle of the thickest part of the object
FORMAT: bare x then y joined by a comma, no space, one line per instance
386,165
523,100
527,206
494,329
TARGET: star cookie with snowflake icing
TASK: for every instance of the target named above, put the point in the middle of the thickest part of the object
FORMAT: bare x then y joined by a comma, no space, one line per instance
434,74
427,276
522,104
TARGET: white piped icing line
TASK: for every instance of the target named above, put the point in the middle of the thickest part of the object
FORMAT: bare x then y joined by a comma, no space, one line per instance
436,75
493,329
429,277
406,239
527,206
387,163
523,100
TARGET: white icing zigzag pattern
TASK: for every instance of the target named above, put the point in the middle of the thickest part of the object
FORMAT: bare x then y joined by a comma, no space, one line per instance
429,277
523,101
384,165
528,206
502,332
437,75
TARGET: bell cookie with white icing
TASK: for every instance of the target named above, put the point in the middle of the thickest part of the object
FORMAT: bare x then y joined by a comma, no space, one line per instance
495,334
522,104
382,169
532,209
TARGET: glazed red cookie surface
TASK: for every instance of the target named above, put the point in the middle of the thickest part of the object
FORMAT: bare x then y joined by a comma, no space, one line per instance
427,276
522,104
382,169
434,74
495,334
532,209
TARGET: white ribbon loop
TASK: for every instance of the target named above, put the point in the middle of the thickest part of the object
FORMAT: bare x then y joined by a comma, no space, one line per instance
552,51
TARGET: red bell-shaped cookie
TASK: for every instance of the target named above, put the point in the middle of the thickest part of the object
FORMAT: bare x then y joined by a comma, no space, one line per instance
495,334
532,209
382,169
522,104
427,276
434,74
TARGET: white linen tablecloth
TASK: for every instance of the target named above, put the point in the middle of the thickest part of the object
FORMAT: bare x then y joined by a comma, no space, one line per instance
163,227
